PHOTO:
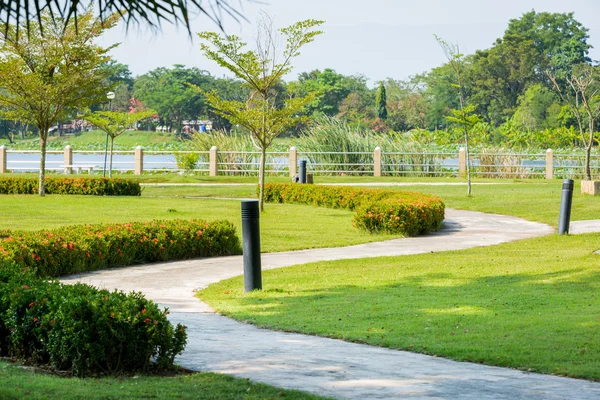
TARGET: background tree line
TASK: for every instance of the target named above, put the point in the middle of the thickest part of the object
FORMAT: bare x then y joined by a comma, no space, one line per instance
507,83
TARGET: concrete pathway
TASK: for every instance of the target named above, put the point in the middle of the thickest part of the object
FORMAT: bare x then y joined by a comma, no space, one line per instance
333,367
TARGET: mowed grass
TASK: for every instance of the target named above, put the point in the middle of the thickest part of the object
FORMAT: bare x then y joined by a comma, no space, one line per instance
531,200
283,227
532,305
16,383
534,200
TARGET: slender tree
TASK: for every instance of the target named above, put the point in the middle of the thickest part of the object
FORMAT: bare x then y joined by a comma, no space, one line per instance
45,79
582,96
114,124
464,115
261,70
381,102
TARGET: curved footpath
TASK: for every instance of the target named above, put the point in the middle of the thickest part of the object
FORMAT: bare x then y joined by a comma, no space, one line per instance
333,367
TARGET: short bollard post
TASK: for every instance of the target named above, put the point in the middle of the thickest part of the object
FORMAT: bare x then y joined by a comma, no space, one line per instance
565,207
251,245
302,178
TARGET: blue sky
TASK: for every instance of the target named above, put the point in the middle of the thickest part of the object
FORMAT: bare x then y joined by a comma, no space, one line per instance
376,38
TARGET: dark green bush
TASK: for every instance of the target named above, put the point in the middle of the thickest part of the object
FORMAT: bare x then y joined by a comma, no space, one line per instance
82,329
377,210
71,185
83,248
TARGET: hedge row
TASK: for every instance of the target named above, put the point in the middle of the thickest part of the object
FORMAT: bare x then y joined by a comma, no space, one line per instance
83,248
81,329
377,210
69,185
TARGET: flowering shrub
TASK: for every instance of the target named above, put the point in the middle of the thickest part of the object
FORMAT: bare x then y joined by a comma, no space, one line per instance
83,329
82,248
70,185
377,210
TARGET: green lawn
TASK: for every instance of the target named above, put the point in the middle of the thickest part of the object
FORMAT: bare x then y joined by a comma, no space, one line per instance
16,383
283,227
532,305
535,200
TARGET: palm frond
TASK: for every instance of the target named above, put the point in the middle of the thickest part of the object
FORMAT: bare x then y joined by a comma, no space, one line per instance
135,12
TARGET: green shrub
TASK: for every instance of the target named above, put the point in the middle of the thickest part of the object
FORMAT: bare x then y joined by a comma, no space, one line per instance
70,185
82,329
187,161
377,210
83,248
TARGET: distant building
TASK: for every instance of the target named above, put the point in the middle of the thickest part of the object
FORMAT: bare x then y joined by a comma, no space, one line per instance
197,125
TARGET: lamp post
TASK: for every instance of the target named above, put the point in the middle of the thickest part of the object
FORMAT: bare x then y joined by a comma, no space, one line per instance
110,96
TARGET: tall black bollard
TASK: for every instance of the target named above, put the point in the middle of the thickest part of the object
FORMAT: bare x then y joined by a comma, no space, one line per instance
251,245
302,171
565,207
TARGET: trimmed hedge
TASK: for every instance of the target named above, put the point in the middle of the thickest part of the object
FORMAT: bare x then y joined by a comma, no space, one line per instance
81,329
377,210
83,248
70,185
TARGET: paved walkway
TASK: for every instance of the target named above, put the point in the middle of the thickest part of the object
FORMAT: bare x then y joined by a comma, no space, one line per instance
333,367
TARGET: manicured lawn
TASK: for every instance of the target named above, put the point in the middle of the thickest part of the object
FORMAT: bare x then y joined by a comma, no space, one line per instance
532,305
16,383
283,227
535,200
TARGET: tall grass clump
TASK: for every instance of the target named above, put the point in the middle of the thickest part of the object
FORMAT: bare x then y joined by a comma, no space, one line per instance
345,148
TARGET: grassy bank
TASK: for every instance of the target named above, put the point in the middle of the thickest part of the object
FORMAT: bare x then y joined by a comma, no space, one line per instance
283,227
18,383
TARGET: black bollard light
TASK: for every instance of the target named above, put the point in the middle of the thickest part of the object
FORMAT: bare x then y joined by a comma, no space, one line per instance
565,207
302,171
251,245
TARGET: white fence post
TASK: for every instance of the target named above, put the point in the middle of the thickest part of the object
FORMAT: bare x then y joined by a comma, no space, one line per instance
139,160
377,161
293,161
2,160
549,164
68,160
462,162
213,160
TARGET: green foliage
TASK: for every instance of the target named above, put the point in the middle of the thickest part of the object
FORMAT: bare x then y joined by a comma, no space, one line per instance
81,248
538,108
187,161
333,89
466,117
377,210
168,92
114,124
44,79
262,114
381,102
75,186
560,40
82,329
500,74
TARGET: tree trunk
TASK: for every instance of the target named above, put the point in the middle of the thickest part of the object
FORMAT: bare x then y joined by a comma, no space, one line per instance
112,142
42,184
468,155
588,148
261,178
